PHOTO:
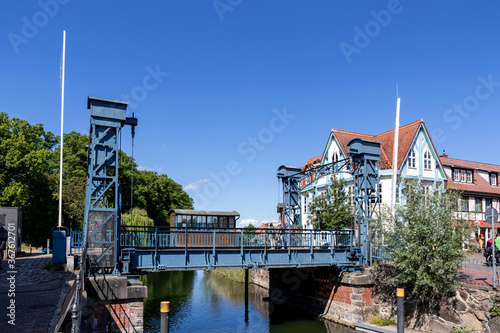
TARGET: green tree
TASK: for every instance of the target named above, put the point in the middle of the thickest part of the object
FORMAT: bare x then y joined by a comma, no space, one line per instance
74,178
136,217
25,152
158,194
249,229
426,241
332,209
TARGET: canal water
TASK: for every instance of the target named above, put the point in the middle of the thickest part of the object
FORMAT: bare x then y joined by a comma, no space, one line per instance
204,302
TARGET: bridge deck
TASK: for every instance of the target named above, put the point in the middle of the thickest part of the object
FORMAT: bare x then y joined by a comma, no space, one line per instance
157,248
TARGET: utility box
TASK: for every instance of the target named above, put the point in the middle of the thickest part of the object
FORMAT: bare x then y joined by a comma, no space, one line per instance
59,246
12,218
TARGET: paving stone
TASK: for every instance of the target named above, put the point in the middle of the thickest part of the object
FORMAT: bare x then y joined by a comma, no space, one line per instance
37,292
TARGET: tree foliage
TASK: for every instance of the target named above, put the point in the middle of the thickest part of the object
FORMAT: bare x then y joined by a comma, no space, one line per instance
29,179
426,241
332,209
137,217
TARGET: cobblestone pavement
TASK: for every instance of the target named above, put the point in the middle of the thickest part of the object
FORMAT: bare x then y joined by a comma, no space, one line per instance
35,292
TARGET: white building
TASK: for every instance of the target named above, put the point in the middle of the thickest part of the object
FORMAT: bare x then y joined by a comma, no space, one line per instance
417,159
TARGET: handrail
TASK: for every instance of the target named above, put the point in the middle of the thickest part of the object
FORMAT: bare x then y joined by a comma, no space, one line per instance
190,237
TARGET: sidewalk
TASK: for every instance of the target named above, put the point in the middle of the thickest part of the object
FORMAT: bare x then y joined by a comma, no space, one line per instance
32,292
481,269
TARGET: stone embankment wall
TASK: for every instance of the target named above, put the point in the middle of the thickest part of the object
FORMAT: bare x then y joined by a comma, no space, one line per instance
115,304
469,309
348,298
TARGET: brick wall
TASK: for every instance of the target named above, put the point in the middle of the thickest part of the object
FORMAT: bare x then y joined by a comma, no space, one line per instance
339,296
118,315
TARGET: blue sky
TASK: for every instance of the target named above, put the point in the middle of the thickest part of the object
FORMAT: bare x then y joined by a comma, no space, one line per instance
226,91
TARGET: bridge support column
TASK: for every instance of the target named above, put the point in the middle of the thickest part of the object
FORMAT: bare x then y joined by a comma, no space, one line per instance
115,304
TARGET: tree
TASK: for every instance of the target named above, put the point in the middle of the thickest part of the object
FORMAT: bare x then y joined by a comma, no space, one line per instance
25,151
249,229
136,217
332,208
74,178
426,241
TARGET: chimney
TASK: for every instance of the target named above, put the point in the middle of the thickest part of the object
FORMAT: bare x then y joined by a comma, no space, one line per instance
444,154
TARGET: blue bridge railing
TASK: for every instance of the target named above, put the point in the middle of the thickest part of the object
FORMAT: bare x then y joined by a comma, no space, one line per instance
76,243
167,237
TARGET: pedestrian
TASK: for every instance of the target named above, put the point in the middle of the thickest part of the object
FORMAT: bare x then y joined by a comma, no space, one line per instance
481,242
270,232
497,242
3,243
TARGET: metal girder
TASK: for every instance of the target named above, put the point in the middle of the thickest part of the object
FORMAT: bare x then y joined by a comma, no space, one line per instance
101,222
206,259
362,164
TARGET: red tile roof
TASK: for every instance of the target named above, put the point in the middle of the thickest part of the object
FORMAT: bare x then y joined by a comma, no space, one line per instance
479,185
469,164
310,162
406,136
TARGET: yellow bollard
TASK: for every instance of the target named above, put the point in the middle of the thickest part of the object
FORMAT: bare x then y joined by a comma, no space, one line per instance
400,293
165,311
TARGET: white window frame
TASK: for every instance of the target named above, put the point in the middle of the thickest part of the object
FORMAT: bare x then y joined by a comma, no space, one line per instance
494,179
412,159
456,175
427,160
468,176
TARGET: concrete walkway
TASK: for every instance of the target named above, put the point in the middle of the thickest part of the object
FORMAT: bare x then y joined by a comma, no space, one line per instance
33,293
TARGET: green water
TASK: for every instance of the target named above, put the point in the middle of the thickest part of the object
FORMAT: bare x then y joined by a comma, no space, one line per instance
204,302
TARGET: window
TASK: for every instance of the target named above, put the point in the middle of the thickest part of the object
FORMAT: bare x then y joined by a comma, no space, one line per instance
465,204
462,175
488,203
479,205
494,179
427,160
469,176
412,159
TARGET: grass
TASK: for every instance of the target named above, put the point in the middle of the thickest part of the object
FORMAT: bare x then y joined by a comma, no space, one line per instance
237,275
381,321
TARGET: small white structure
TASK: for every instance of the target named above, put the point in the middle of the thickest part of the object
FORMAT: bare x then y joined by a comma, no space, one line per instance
12,218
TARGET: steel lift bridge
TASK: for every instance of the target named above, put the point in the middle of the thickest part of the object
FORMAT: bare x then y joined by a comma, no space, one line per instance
112,249
362,165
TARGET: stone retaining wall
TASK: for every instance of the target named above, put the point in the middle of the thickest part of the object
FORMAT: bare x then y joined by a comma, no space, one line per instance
347,298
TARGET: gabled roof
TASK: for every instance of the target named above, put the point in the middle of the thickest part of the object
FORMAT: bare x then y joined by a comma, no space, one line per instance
479,185
453,162
407,135
312,161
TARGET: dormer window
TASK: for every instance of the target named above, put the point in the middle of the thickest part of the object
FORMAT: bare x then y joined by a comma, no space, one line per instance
427,160
494,179
469,176
412,159
462,176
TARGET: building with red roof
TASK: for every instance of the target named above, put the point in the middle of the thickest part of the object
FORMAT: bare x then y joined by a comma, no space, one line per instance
416,159
478,183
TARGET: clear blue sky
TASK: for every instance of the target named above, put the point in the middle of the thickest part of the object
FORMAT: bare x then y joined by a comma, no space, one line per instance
224,70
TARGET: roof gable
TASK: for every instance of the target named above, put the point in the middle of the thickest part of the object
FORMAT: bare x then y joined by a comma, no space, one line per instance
407,135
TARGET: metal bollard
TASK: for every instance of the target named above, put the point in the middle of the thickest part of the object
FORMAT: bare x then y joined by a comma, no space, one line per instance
165,311
401,309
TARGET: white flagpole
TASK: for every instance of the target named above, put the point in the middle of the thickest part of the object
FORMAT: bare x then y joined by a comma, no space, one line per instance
62,129
395,159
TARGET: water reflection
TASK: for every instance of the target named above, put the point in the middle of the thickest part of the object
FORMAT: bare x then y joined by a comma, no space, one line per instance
205,302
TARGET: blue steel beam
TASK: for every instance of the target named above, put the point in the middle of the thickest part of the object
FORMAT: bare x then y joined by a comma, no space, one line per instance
205,259
101,223
160,248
